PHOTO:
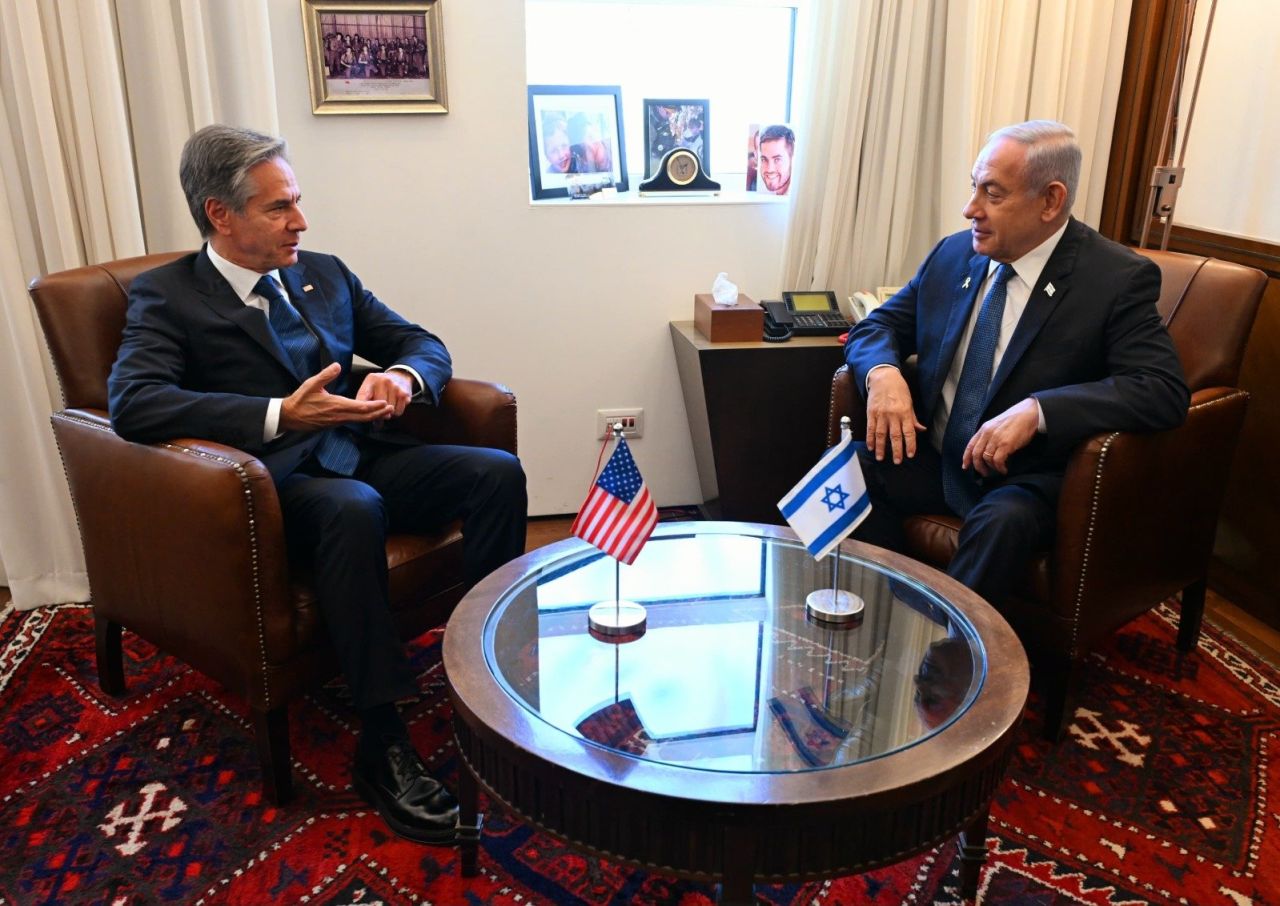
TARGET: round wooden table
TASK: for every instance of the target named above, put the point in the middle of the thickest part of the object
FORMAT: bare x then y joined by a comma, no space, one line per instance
736,740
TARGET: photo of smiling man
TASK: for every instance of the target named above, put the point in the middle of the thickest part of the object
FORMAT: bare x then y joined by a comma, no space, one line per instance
777,147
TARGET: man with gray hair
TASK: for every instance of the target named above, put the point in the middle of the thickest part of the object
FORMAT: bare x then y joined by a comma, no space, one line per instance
1031,332
249,342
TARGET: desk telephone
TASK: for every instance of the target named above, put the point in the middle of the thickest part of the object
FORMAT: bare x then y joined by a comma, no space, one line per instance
803,314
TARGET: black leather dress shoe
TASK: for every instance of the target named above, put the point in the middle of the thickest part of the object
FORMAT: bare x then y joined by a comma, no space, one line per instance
413,803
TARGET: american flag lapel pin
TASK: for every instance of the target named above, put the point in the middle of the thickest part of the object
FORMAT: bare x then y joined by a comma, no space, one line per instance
1049,290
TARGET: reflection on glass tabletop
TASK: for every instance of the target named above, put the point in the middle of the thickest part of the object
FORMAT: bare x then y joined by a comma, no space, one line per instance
730,675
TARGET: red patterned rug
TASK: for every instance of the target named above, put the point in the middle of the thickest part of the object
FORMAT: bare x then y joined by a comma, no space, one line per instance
1161,793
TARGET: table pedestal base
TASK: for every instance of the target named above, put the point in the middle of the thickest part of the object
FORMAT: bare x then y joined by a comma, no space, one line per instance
470,822
973,855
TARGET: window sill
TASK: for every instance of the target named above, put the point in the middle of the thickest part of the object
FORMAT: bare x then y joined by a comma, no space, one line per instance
633,198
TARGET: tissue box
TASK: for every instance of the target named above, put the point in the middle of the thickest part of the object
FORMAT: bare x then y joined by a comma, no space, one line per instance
741,322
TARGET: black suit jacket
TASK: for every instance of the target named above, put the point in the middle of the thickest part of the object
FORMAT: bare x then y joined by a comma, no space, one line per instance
1090,346
195,361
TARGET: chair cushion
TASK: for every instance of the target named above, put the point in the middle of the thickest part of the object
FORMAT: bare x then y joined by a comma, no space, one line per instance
932,539
935,539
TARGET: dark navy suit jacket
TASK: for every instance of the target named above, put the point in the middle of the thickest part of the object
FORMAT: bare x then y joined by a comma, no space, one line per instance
195,361
1089,346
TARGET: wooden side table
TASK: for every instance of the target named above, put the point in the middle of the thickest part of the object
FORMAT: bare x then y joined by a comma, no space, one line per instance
757,416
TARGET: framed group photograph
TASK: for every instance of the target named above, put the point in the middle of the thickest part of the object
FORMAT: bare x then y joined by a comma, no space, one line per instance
375,56
575,140
678,123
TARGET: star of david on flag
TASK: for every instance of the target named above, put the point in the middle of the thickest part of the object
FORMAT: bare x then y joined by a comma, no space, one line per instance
618,515
830,501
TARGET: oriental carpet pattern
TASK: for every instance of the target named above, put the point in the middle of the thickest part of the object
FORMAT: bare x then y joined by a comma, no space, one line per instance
1161,792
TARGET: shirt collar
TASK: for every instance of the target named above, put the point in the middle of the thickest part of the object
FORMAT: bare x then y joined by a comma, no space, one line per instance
1030,265
242,279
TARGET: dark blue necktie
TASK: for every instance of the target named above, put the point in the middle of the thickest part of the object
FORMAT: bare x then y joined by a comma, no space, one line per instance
336,449
960,488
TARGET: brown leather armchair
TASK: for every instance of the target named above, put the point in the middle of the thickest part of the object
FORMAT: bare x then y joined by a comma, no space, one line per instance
1137,514
184,542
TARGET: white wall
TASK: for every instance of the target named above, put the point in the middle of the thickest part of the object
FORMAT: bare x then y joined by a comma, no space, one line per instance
1230,184
568,305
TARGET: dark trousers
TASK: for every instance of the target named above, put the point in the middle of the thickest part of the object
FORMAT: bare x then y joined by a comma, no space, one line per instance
1007,527
340,526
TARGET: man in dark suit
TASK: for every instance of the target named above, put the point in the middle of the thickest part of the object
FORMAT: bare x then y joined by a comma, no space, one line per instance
249,342
1031,332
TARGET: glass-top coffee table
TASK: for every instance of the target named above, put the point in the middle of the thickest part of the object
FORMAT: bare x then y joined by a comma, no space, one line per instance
735,740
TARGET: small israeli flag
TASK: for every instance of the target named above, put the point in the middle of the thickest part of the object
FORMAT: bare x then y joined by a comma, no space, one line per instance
830,501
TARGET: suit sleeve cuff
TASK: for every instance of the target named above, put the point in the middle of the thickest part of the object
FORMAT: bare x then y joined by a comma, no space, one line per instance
418,383
271,427
867,388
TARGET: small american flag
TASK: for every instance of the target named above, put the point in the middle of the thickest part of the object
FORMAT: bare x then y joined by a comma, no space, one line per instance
618,515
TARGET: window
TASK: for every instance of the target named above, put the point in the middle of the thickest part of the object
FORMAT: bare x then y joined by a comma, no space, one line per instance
735,53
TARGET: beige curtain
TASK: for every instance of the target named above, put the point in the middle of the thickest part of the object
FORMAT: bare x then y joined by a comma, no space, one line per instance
904,95
189,63
96,98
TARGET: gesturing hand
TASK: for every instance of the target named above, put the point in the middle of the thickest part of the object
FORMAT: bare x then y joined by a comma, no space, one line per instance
311,407
1001,437
891,421
394,387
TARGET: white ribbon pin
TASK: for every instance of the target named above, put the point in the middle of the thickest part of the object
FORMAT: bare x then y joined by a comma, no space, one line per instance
965,285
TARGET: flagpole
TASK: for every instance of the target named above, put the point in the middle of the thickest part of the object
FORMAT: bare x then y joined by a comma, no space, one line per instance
834,606
617,618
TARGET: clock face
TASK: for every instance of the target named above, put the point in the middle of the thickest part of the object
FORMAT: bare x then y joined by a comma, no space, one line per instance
682,167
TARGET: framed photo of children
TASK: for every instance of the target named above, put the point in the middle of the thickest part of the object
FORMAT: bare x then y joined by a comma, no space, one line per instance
675,124
575,140
382,56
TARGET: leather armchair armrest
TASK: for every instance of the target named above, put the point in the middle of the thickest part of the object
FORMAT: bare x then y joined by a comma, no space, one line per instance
1137,514
472,413
846,399
185,542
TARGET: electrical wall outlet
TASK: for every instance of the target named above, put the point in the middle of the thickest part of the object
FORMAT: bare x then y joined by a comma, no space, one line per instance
632,422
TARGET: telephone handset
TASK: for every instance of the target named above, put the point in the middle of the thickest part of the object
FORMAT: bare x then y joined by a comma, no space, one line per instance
777,322
803,314
862,304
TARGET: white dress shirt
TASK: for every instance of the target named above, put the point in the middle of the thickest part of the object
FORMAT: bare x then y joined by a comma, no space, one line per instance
1027,270
243,280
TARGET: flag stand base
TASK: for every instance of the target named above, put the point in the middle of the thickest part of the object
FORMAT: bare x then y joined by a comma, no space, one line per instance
830,606
616,618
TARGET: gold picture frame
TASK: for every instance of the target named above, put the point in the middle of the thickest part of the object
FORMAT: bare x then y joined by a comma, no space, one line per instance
375,56
885,293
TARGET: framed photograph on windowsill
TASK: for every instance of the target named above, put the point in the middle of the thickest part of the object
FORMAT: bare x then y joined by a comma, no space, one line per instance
575,140
375,56
770,149
672,124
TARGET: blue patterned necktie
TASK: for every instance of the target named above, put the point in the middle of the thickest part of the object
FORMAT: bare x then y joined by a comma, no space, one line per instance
960,488
336,449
